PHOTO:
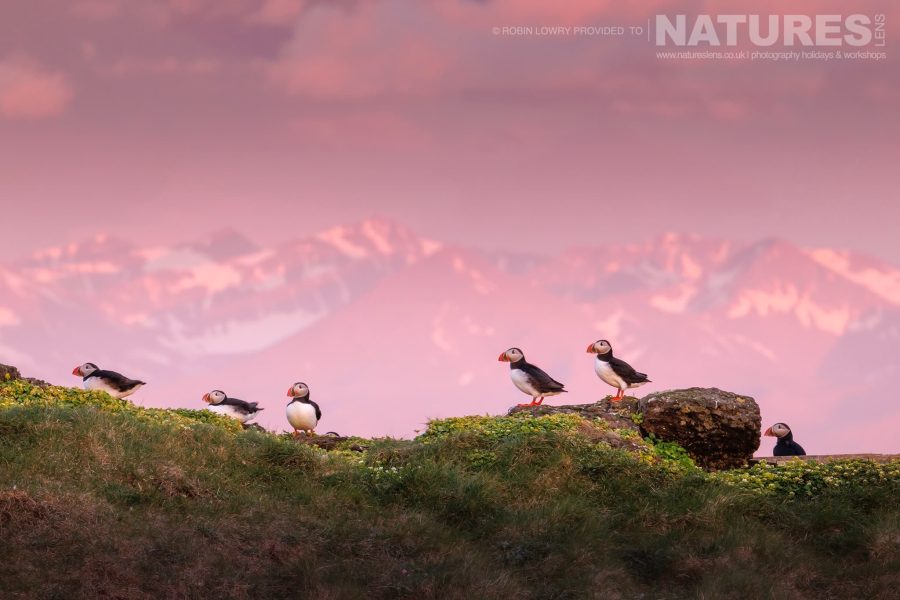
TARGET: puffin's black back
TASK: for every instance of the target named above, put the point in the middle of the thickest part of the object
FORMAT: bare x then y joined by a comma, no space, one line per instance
540,379
786,446
116,380
247,407
623,369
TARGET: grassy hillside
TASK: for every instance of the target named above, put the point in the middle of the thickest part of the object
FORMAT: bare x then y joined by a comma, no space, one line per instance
101,499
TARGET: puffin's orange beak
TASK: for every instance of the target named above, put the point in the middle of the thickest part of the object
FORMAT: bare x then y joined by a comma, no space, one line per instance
591,349
290,391
769,432
77,371
503,358
206,398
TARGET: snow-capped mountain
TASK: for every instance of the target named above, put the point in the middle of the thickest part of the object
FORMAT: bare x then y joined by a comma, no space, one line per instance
389,329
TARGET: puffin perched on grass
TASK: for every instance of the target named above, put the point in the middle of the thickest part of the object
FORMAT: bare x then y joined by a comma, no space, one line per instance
219,402
114,384
614,371
302,413
785,446
529,378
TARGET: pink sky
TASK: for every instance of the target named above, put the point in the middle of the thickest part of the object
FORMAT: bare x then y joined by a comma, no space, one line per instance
160,120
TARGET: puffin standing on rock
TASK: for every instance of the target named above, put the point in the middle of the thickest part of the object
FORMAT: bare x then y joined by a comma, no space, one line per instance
614,371
785,446
114,384
529,378
302,413
220,403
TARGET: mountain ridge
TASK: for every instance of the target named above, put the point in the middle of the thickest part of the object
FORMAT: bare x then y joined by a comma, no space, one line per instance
768,315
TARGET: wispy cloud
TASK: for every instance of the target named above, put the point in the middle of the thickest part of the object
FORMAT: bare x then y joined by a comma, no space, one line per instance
30,91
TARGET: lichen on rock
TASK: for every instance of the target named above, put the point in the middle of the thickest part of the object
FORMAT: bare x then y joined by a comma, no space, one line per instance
719,429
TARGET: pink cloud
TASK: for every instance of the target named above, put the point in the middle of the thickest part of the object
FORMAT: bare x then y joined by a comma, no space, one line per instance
447,49
332,54
97,10
164,65
28,91
279,12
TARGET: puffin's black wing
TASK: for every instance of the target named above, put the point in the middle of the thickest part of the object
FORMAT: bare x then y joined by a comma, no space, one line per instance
626,371
117,380
246,407
541,381
318,410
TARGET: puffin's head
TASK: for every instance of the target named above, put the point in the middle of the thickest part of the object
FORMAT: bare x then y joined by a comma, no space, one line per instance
298,390
512,355
778,430
600,347
214,397
85,369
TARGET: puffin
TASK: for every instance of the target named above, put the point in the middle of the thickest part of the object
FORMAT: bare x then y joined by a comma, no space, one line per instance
220,403
114,384
529,378
614,371
785,446
302,413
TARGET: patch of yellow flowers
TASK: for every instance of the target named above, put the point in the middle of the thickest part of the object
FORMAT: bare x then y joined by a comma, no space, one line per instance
21,394
499,428
800,478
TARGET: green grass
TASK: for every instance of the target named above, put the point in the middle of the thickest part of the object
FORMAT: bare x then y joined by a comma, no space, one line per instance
101,499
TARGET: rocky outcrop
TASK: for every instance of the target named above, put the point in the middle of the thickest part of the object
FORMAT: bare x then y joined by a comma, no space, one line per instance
619,415
9,373
719,429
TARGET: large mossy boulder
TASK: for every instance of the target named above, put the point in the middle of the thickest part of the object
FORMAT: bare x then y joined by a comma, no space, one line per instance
720,430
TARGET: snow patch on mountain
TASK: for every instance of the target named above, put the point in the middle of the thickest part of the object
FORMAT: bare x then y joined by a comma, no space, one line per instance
339,238
756,346
166,259
210,277
239,336
787,299
676,303
882,282
378,234
611,325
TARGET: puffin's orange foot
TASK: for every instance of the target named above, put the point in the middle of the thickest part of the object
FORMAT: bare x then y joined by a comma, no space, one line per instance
296,434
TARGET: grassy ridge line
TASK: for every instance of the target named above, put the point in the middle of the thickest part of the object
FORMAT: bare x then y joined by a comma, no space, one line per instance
20,394
101,499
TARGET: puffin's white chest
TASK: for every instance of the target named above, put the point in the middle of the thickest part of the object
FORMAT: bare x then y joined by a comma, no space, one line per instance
231,411
522,381
301,415
606,373
96,383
